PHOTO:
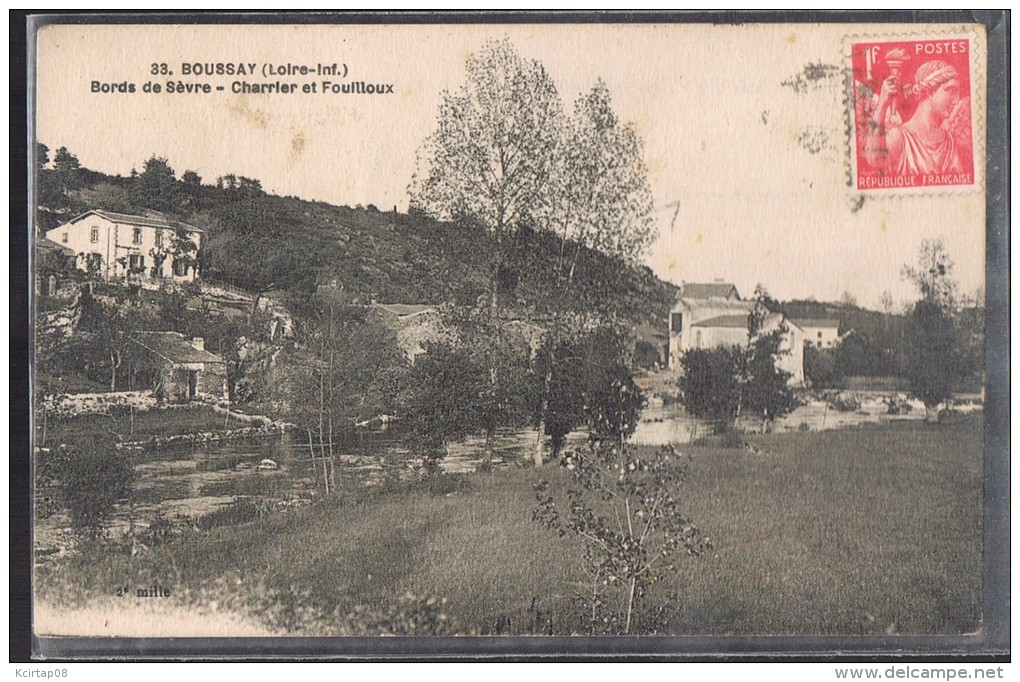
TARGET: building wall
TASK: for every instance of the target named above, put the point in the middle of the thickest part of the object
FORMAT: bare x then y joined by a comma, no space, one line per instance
117,240
821,337
692,336
174,381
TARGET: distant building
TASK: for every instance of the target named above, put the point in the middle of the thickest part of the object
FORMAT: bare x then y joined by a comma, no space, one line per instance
820,333
53,264
184,369
118,244
713,316
415,325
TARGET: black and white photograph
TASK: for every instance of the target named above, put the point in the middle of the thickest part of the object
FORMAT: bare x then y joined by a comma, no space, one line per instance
534,330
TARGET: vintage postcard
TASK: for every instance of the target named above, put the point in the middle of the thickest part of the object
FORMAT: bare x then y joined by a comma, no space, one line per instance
466,330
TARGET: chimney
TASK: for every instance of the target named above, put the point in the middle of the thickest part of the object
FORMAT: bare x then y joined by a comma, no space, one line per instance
198,343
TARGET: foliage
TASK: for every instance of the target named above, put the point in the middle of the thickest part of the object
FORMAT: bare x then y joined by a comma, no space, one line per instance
625,509
821,367
444,399
94,476
719,383
450,391
338,374
709,383
64,160
933,274
765,388
938,361
156,186
490,159
933,370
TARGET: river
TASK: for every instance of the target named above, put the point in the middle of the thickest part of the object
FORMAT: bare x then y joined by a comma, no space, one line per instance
196,480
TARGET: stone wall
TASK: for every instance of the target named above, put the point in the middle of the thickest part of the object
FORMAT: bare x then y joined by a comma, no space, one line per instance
72,405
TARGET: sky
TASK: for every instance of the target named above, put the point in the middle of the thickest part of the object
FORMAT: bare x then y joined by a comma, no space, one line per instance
747,159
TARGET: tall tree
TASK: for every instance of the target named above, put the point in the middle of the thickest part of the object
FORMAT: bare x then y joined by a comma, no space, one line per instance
491,157
934,366
602,203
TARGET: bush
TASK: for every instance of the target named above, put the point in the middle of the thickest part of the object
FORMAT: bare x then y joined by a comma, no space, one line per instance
94,476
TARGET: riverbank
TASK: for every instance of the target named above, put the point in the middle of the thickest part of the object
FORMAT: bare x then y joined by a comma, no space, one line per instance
867,531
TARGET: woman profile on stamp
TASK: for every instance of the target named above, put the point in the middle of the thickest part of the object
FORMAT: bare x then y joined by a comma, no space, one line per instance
934,138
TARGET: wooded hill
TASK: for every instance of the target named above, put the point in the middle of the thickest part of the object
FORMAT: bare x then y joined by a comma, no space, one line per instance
262,242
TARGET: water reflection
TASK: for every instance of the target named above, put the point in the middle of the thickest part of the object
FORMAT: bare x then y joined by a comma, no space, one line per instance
195,481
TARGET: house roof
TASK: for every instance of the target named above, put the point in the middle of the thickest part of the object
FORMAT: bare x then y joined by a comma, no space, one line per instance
52,247
713,290
144,221
173,347
816,322
733,321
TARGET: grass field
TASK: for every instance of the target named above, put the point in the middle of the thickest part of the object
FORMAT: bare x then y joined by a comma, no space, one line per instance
874,530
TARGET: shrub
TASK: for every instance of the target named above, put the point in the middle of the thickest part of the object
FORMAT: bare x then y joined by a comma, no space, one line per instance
94,476
625,510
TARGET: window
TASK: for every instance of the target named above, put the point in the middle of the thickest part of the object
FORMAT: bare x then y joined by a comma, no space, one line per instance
94,261
136,262
180,268
63,238
677,322
819,335
159,239
697,340
94,235
136,236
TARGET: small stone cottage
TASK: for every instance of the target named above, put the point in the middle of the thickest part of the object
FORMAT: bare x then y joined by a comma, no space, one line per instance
185,370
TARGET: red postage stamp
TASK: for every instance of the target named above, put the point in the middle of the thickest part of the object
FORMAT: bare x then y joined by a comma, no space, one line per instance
913,121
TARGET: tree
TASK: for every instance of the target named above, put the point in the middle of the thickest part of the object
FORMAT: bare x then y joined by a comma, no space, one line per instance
602,203
446,390
191,178
340,375
490,160
156,186
848,300
933,366
933,274
765,387
887,302
42,155
64,160
720,383
709,384
935,362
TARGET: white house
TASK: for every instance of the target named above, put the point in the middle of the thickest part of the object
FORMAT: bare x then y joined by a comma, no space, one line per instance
713,316
116,244
820,333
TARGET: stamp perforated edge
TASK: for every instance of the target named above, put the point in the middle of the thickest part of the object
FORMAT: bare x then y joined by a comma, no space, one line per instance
978,103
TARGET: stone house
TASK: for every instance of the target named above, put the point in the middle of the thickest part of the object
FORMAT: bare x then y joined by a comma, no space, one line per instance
119,244
183,369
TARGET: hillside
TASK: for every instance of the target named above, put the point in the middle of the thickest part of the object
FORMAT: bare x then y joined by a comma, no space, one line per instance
263,242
